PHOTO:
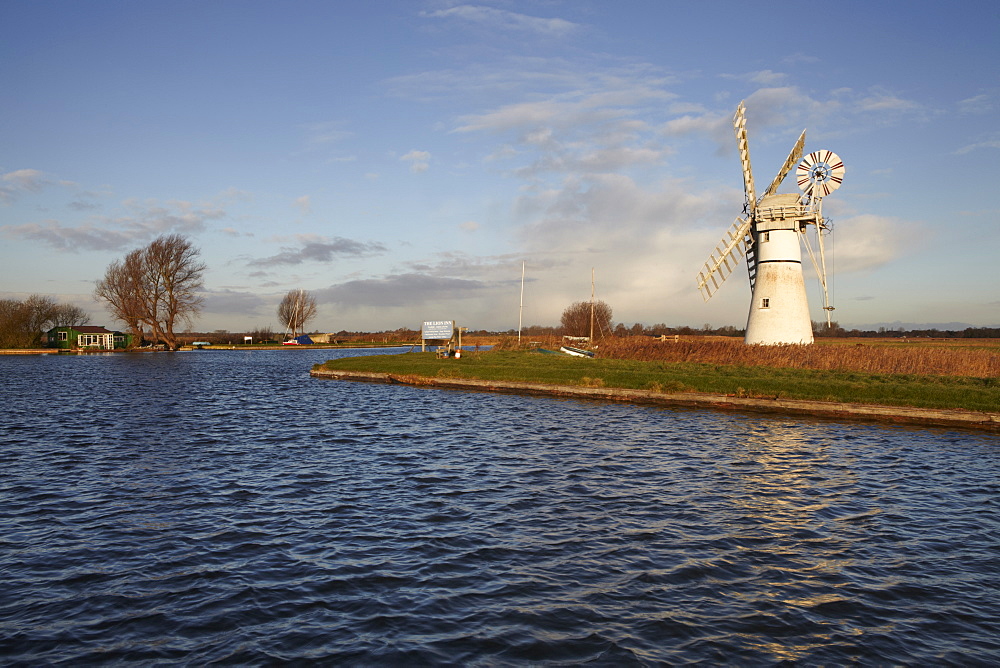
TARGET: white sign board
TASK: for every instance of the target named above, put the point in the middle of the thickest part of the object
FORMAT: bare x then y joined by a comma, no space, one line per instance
437,329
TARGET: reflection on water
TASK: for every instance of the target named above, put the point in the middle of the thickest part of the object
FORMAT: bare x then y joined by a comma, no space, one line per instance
223,506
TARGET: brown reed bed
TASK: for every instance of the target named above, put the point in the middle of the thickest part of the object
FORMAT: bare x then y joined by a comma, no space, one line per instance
914,357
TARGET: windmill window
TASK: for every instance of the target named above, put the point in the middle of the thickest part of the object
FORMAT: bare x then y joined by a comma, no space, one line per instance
766,237
765,303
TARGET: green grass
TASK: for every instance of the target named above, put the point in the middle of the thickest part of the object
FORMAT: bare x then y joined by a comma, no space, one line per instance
841,386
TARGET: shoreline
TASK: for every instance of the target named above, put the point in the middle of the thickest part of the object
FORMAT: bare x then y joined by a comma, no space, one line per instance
897,415
189,348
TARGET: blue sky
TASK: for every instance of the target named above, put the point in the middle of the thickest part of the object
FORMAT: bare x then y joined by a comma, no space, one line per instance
400,160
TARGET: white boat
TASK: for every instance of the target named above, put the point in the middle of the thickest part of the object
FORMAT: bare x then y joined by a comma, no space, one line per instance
576,352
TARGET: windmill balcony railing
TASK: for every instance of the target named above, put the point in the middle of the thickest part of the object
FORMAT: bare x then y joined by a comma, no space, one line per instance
786,212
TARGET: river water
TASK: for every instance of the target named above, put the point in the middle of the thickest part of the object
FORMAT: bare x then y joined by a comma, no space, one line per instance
225,507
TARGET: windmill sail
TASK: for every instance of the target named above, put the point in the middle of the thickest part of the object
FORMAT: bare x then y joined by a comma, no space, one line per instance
725,259
791,161
740,125
738,241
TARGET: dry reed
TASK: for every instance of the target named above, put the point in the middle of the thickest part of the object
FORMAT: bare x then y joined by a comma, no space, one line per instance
913,358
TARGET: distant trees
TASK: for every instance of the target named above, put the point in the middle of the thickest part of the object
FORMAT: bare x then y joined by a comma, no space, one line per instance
22,322
824,329
296,309
261,333
577,318
156,286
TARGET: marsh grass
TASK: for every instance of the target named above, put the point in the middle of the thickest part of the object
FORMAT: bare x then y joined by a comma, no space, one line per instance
953,357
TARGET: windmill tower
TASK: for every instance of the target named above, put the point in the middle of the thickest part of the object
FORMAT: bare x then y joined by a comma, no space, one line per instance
769,236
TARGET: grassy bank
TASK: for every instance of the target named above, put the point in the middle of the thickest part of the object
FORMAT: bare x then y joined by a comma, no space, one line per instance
838,385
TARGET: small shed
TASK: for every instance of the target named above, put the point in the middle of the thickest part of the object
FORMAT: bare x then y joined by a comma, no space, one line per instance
87,336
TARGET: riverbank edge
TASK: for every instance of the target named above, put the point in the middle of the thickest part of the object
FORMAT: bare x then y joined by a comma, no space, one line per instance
902,415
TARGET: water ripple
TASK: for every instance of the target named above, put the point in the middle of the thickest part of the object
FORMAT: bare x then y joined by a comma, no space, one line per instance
224,507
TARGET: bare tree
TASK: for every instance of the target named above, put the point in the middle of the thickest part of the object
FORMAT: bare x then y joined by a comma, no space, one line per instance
261,333
155,286
67,315
578,316
175,276
296,309
121,288
22,322
14,331
39,311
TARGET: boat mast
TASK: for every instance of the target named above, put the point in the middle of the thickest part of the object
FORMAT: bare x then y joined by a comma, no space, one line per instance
591,306
293,320
520,309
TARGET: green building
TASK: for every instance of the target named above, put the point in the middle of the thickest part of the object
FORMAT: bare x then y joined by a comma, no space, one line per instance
87,336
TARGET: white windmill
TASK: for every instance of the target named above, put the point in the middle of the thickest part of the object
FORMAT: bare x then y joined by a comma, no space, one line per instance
769,238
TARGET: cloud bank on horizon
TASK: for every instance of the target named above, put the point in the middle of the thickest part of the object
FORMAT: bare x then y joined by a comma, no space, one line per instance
401,160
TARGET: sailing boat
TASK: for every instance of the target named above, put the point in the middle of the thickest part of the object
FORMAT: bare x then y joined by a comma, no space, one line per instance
576,352
293,324
583,352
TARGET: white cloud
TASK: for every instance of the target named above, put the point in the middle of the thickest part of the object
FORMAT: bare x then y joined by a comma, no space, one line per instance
866,241
978,104
986,143
686,108
18,181
767,108
505,152
469,226
324,139
419,161
326,132
25,179
528,114
881,100
767,77
706,123
304,204
501,19
761,77
584,130
783,107
800,58
581,106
